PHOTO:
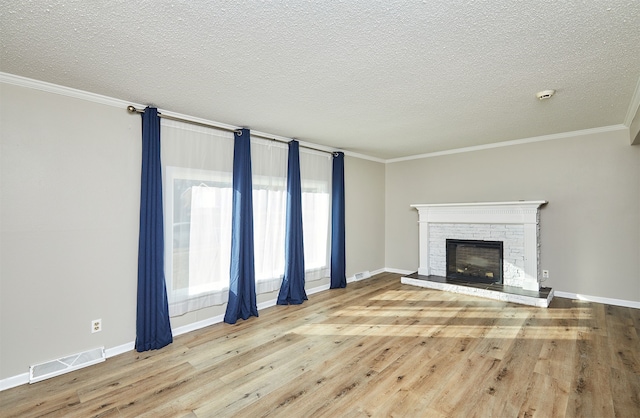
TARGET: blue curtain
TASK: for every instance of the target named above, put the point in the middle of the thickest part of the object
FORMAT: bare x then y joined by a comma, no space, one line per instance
242,284
153,329
292,288
338,263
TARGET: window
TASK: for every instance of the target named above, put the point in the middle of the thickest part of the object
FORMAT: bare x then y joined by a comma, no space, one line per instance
269,178
197,169
315,178
197,190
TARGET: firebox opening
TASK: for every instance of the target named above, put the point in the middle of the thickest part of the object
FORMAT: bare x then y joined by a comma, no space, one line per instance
474,260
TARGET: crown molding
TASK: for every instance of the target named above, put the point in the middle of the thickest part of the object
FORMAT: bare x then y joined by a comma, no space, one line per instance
364,157
17,80
633,106
110,101
563,135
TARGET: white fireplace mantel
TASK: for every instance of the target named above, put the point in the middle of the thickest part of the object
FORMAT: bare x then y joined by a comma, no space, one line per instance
525,213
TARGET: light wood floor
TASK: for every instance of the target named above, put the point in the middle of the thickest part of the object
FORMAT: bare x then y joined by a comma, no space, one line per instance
377,348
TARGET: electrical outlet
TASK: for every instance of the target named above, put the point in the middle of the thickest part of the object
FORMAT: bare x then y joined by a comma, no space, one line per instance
96,325
545,274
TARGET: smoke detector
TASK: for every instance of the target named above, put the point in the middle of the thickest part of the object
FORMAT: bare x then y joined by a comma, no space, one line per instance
545,94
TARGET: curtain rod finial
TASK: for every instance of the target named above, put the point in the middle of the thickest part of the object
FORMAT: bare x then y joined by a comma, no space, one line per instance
131,109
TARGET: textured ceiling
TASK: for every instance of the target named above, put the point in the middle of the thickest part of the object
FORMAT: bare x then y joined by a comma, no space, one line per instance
383,78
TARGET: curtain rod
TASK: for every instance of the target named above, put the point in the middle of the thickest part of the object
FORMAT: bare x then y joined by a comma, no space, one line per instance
133,109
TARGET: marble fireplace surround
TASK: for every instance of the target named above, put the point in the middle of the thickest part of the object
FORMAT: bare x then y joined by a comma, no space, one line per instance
517,222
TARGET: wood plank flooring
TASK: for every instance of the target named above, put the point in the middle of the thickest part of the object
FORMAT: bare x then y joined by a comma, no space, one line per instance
376,348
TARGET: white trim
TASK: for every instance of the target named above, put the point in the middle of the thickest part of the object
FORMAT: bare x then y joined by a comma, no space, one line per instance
374,272
398,271
17,80
467,204
633,106
119,349
318,289
13,381
267,304
66,364
364,157
110,101
563,135
23,379
599,299
363,275
197,325
367,275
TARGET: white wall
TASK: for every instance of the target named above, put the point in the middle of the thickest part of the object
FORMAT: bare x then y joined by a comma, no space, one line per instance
69,211
590,230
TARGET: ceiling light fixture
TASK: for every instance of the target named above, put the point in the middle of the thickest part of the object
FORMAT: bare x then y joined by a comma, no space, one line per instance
545,94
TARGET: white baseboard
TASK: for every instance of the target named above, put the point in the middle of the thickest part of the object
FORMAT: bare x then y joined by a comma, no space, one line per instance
398,271
598,299
197,325
364,275
123,348
13,381
319,289
359,276
23,379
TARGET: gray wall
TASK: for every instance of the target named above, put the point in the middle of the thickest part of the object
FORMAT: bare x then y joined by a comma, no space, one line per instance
590,230
364,214
70,192
69,228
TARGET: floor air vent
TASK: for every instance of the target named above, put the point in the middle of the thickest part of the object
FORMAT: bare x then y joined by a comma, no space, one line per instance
66,364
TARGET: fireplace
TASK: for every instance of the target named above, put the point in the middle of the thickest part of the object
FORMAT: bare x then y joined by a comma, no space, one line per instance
474,260
516,224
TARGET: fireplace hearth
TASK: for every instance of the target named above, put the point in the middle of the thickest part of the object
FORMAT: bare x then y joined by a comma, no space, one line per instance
474,260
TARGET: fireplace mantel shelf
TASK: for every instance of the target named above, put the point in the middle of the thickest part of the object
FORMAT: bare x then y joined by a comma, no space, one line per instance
520,212
537,203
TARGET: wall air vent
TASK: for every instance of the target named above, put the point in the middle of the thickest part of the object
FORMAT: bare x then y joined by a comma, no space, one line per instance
67,364
362,275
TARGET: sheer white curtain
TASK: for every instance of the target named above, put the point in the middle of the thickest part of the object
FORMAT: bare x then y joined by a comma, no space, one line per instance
209,257
269,170
269,166
315,176
197,171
